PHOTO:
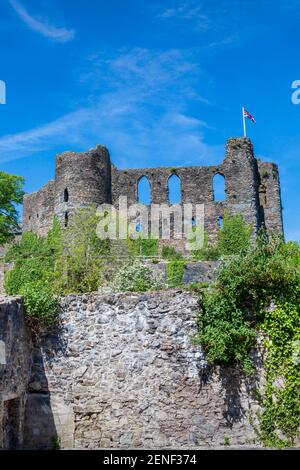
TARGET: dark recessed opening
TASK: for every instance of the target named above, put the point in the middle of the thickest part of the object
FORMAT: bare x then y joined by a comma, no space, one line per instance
66,195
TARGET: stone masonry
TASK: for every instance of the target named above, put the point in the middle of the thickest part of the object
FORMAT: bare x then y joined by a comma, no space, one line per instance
121,371
15,364
252,188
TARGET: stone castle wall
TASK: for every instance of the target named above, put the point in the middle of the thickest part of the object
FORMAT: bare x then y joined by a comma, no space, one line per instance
122,370
15,364
89,178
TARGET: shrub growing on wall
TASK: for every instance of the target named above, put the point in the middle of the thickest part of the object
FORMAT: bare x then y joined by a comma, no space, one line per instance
137,277
234,237
33,258
145,247
208,252
169,253
82,254
32,276
40,301
259,291
69,260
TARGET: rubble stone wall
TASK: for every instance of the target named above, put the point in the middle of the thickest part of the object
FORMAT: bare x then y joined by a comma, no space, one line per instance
123,371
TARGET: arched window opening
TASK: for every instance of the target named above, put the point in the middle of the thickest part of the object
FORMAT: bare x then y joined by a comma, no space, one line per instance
220,222
174,189
144,191
138,227
66,219
66,195
219,188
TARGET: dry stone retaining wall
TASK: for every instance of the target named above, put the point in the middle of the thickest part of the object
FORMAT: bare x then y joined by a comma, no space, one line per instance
122,371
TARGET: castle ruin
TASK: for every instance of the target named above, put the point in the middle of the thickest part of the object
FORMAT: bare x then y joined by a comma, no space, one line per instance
81,179
121,370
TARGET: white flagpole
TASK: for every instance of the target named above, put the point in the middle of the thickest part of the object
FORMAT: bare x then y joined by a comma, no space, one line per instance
244,122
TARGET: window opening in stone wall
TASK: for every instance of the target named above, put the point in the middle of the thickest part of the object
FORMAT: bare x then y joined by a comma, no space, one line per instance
174,189
220,222
66,195
219,189
66,219
144,191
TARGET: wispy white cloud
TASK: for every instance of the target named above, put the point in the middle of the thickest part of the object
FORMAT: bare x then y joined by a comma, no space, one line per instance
47,30
226,41
141,116
189,11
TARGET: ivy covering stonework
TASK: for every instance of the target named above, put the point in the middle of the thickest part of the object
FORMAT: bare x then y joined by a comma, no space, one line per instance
258,292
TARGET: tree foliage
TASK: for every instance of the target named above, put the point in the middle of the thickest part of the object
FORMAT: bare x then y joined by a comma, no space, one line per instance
82,254
11,194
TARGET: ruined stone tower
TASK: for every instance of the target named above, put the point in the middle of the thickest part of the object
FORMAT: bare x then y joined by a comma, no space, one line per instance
252,188
80,179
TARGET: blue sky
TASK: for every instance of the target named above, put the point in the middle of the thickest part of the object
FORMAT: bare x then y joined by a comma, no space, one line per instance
157,82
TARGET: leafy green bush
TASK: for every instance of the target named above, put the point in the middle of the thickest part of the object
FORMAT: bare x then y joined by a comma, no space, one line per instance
64,261
175,266
136,277
32,274
208,252
145,247
175,271
234,237
33,258
81,257
27,270
169,252
40,301
238,306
